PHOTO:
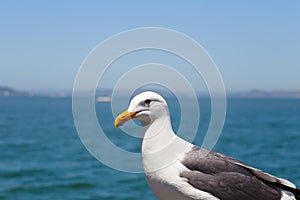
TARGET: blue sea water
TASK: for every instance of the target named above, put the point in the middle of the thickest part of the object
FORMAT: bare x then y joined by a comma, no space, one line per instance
42,157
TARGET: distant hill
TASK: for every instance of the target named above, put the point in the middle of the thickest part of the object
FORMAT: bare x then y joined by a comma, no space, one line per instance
7,91
267,94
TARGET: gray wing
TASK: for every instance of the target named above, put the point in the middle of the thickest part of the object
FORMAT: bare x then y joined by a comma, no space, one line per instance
230,179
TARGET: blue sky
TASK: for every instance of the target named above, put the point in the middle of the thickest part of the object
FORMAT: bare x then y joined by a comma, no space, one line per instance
255,44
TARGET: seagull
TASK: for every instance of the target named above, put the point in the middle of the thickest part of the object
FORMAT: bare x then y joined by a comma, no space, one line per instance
178,170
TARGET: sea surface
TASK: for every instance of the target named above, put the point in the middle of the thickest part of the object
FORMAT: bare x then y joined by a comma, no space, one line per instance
42,157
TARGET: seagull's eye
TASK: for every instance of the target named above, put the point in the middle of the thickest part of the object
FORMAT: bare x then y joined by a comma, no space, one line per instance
147,102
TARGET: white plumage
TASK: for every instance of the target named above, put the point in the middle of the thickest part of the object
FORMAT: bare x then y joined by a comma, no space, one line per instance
178,170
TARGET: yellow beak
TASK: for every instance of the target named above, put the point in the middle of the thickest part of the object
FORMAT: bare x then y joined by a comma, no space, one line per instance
123,117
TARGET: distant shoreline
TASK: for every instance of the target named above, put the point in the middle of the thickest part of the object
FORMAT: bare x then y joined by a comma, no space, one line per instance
257,94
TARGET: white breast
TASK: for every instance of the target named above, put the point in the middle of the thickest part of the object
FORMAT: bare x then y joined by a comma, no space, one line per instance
167,184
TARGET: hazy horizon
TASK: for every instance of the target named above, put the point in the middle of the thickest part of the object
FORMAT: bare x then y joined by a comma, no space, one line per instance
124,91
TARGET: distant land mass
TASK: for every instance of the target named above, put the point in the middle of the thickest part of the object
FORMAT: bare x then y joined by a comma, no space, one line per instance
266,94
6,91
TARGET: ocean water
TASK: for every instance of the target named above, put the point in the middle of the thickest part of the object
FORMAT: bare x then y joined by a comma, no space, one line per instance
42,157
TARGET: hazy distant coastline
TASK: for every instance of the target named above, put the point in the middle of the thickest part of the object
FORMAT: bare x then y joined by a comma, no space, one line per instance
6,91
266,94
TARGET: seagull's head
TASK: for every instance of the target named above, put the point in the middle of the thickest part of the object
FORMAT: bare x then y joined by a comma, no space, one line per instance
145,107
